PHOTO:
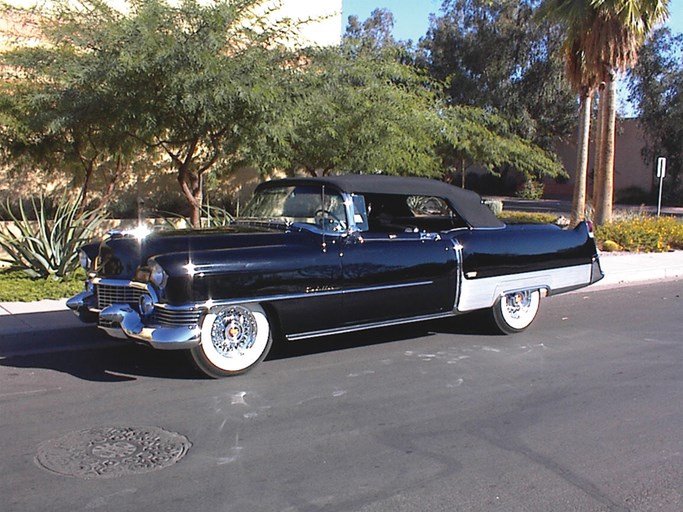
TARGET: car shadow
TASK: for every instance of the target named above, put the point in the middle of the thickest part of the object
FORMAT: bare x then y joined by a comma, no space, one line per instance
89,354
476,323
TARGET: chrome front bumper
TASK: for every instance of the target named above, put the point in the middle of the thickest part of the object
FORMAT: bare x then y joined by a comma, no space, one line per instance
122,321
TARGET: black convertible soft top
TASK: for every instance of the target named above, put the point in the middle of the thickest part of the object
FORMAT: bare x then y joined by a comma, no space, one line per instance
466,203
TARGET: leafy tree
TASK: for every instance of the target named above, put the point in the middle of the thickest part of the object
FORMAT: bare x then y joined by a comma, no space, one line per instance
192,81
366,107
472,135
53,113
499,56
656,86
372,35
356,112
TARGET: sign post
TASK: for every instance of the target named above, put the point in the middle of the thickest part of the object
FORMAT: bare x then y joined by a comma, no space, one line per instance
661,172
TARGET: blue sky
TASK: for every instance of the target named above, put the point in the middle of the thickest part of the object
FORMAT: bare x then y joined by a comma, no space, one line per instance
412,16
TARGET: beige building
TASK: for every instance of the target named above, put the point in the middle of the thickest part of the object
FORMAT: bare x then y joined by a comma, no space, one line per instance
323,31
631,173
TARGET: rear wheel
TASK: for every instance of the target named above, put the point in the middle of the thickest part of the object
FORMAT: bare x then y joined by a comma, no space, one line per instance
514,312
234,339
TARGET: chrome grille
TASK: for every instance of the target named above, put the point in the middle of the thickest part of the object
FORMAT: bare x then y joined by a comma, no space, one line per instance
112,294
108,294
176,318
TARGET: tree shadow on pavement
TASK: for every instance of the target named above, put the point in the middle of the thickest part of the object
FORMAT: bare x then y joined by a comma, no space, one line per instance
59,341
120,363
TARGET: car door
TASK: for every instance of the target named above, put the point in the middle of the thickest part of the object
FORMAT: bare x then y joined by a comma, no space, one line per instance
389,276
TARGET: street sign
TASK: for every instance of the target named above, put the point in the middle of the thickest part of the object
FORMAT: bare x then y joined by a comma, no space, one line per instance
661,167
661,172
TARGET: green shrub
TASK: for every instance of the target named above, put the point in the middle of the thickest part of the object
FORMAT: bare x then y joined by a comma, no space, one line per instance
18,286
531,189
642,233
527,217
47,247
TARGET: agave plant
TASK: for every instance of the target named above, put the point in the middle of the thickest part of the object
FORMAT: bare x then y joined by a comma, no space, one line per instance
48,246
211,217
215,217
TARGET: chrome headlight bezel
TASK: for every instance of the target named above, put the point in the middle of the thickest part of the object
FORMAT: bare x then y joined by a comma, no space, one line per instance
157,275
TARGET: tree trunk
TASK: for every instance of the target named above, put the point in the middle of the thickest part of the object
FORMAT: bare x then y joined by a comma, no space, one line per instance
191,185
579,198
599,165
88,166
463,173
111,183
603,212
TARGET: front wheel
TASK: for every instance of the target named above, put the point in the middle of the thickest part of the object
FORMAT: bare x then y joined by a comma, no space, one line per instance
234,339
514,312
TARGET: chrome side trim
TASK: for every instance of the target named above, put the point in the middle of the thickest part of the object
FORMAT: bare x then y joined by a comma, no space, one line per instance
362,327
387,287
457,250
483,293
208,304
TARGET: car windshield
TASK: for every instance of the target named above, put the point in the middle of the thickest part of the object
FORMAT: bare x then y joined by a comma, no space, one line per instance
305,204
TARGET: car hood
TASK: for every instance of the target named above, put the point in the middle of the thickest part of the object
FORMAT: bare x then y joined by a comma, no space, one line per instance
120,255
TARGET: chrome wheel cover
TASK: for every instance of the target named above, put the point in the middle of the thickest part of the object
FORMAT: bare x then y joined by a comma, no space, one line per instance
519,308
233,338
234,330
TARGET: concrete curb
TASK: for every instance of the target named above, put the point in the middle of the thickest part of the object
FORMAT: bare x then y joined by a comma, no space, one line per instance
41,306
630,268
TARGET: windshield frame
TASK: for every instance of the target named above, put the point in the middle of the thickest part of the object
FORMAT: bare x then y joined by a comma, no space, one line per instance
343,207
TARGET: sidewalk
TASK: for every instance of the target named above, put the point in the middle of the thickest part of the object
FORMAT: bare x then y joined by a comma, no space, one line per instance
630,268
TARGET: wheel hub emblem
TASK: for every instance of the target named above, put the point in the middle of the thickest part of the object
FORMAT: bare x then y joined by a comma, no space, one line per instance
233,332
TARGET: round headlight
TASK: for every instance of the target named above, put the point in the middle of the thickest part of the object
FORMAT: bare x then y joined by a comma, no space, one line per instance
84,260
146,304
157,276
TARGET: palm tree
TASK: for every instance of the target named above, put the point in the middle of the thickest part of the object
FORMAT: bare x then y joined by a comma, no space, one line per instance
583,77
603,39
613,40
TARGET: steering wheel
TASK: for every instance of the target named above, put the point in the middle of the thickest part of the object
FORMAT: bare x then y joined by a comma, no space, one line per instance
327,220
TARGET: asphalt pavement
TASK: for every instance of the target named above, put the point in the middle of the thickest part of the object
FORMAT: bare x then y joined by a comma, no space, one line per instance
579,413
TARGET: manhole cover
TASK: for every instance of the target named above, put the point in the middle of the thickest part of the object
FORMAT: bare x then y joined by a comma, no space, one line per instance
110,452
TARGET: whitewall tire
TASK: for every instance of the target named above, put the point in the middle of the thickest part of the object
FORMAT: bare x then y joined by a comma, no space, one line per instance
514,312
234,339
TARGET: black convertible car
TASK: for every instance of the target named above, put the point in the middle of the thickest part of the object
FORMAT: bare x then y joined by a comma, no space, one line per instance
316,256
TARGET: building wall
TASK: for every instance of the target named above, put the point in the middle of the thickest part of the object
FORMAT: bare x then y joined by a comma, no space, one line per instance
324,30
630,170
